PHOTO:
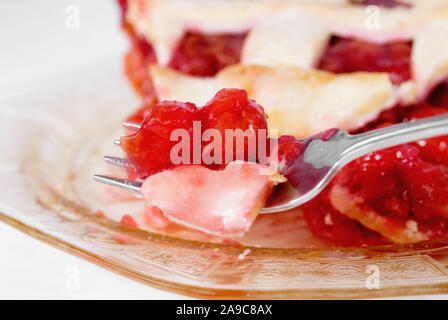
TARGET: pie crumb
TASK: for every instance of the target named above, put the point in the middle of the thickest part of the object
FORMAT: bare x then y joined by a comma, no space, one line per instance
412,226
328,221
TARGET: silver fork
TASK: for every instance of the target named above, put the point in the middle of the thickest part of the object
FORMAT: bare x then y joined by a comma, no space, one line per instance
311,172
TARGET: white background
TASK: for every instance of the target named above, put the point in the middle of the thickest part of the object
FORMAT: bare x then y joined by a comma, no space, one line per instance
34,42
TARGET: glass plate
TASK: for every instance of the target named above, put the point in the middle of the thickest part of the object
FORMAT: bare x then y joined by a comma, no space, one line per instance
54,135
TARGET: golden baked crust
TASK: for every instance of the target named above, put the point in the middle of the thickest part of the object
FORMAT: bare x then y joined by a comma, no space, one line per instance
297,102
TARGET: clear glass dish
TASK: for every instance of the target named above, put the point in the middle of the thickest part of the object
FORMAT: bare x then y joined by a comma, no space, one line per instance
53,138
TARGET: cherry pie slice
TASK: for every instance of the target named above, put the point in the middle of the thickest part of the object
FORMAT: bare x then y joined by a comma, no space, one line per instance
312,65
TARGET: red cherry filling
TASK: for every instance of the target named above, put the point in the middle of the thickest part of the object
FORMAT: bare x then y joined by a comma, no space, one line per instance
351,55
408,182
434,150
288,149
411,186
439,96
401,184
204,55
136,64
398,184
148,149
196,54
236,118
395,184
137,59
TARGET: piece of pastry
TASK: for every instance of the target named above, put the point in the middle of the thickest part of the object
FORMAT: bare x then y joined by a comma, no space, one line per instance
314,65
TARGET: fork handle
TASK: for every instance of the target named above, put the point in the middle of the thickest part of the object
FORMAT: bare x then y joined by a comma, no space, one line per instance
405,132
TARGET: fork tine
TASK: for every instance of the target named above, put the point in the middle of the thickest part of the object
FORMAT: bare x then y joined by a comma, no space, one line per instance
131,125
116,161
121,183
117,142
